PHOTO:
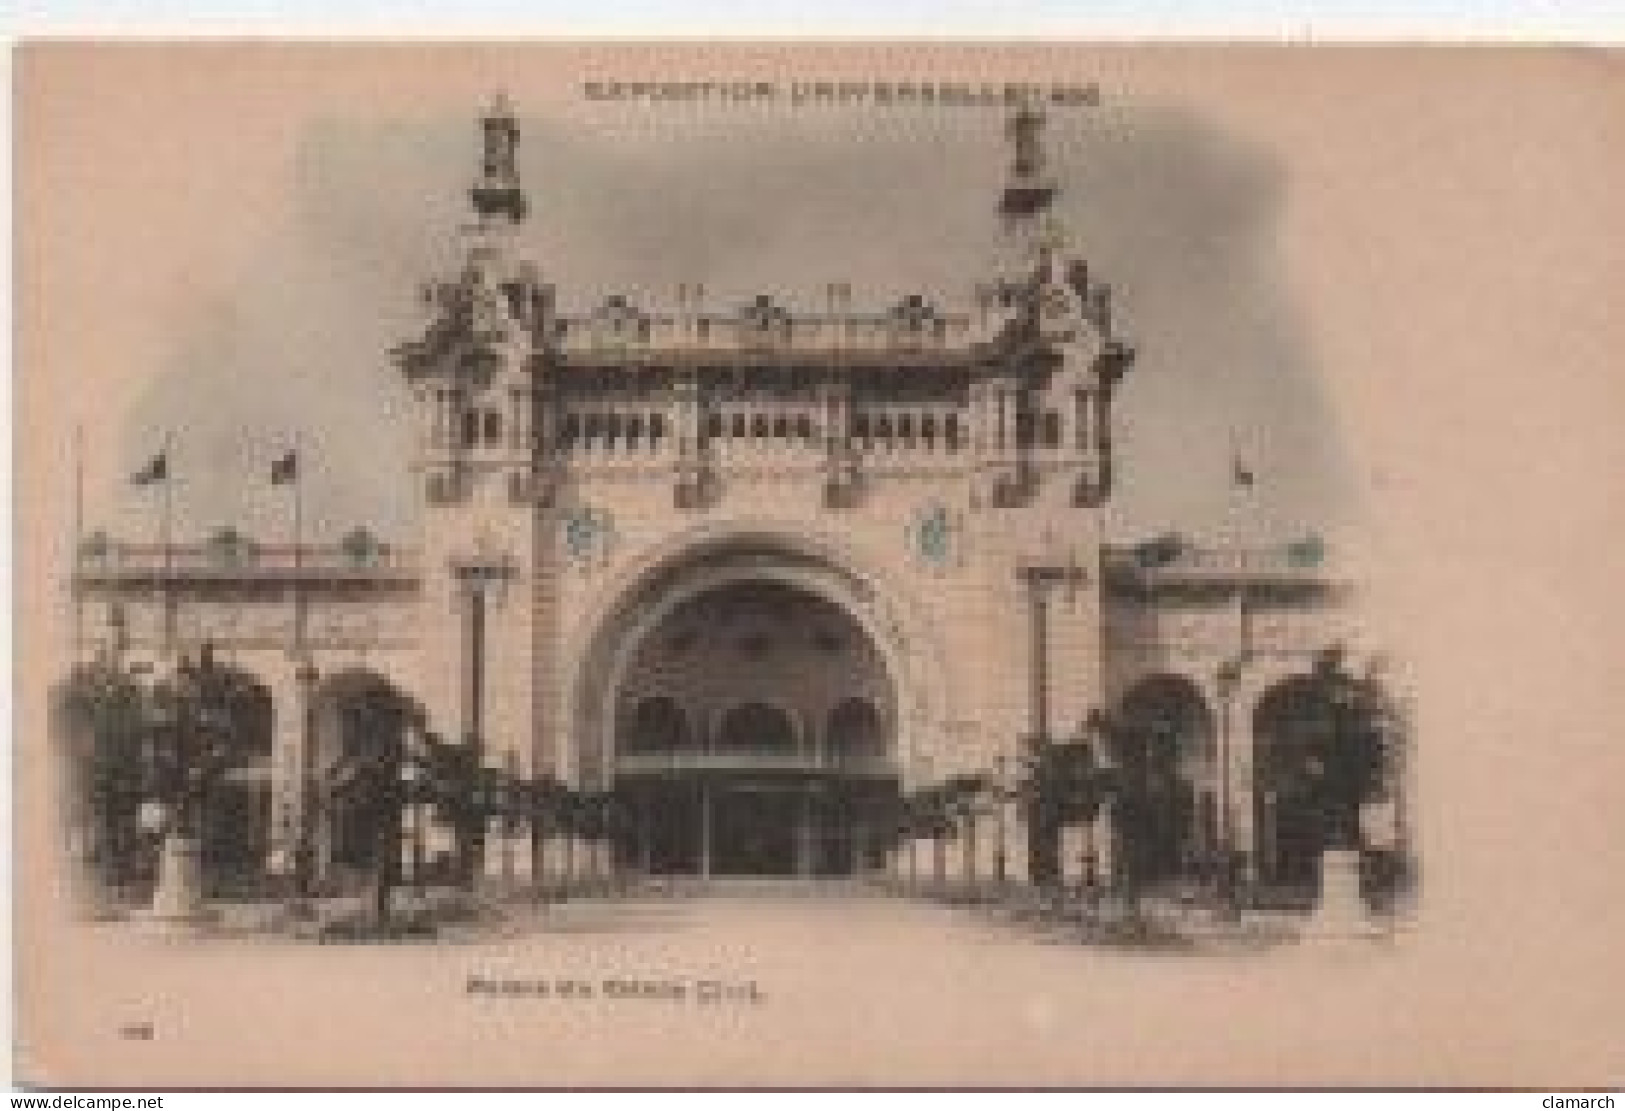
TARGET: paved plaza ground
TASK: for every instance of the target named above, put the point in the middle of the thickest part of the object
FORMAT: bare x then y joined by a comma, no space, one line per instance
844,987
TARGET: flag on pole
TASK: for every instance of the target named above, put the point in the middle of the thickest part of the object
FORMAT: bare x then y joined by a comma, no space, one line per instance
286,469
156,470
1241,475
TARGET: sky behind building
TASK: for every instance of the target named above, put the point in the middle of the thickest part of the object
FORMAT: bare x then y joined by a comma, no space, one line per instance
287,337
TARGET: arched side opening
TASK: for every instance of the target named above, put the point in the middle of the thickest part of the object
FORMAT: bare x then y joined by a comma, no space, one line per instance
361,722
236,812
1317,760
98,727
756,728
190,749
656,725
1170,812
855,734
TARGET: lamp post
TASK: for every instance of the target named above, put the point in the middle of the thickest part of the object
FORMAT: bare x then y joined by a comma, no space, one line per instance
1390,727
304,851
413,775
1002,791
184,745
1227,679
1095,738
509,798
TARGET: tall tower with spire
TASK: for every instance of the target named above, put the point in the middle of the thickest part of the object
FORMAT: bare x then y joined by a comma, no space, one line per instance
477,368
1054,358
1042,397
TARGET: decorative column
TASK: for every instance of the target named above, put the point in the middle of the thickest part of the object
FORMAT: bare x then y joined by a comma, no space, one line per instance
840,464
309,868
480,578
1226,681
1041,580
1083,420
705,830
1038,653
1003,790
972,814
646,844
806,851
691,477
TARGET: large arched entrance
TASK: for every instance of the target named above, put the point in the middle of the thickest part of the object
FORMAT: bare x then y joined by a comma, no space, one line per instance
753,727
752,700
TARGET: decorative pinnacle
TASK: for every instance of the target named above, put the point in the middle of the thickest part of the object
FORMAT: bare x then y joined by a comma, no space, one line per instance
1027,189
497,192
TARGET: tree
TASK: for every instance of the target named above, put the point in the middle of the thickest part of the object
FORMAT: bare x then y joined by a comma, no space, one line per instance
1061,787
927,815
100,720
366,782
1351,768
960,800
449,775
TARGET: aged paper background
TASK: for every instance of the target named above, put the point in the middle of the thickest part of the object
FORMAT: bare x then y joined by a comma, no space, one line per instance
1450,233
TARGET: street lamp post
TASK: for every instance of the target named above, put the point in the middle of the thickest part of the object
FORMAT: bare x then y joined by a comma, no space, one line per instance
412,776
304,851
184,743
1099,877
508,821
1227,680
1001,797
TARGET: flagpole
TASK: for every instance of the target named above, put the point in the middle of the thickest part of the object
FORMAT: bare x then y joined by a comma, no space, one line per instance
298,505
1239,501
297,478
166,517
166,531
1232,538
78,537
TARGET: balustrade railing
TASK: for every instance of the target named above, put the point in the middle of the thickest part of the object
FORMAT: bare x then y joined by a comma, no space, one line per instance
672,761
115,558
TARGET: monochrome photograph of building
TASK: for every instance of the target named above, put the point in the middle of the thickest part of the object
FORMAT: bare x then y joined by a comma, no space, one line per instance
853,565
741,590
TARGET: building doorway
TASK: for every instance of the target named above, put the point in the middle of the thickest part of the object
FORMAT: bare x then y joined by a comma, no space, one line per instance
754,736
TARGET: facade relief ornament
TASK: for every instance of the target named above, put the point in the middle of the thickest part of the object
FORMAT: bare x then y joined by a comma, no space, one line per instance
935,537
588,535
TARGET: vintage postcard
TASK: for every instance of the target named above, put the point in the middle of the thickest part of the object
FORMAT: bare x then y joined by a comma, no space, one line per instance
840,565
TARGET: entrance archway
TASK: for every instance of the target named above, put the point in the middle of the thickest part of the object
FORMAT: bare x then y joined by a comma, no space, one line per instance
1170,759
753,729
236,815
361,721
1316,761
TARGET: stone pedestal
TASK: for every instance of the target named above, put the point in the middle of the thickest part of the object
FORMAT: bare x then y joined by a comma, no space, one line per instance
1341,911
178,897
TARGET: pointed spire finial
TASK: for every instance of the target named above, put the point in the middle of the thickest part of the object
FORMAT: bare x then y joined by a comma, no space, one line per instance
1028,189
497,191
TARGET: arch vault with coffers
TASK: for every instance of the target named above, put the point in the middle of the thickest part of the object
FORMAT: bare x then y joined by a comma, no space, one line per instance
713,558
789,633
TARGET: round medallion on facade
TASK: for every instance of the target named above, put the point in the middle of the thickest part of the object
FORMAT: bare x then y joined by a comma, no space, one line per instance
588,533
932,534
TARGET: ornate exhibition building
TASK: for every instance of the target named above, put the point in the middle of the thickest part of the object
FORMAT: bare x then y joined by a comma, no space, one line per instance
760,574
